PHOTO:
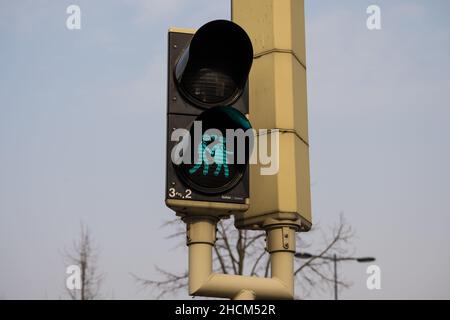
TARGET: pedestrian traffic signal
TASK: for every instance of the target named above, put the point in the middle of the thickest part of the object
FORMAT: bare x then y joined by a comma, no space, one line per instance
208,145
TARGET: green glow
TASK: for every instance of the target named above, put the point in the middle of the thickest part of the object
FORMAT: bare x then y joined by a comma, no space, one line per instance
218,152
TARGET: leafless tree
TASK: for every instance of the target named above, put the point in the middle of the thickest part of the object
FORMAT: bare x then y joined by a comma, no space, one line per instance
243,252
84,254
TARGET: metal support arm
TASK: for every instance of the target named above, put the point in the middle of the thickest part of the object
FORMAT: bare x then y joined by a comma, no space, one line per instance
201,236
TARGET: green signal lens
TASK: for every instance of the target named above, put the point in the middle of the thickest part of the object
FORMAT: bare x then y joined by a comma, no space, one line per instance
212,171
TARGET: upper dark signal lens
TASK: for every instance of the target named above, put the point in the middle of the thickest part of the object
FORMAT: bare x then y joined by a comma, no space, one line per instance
213,69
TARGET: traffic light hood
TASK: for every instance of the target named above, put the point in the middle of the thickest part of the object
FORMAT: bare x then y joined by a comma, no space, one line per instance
213,70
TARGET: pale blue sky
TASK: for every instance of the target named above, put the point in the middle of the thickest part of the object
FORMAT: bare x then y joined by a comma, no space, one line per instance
82,129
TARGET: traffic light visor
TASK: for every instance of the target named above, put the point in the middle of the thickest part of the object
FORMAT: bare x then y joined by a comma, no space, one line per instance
213,69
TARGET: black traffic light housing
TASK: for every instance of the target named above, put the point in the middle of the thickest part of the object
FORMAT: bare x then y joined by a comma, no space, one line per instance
207,82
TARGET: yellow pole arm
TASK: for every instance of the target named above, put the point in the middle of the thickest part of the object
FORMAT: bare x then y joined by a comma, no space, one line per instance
201,236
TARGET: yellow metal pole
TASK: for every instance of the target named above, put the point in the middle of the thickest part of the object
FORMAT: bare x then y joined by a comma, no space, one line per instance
245,295
278,100
201,236
281,246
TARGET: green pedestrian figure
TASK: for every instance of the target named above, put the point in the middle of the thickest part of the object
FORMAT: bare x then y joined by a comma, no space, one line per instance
218,152
201,151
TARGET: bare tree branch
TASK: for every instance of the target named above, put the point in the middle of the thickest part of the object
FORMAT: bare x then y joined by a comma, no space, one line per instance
255,265
228,247
221,260
171,283
342,233
266,272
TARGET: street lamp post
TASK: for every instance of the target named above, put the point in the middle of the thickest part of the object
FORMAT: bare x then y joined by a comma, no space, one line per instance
335,259
335,277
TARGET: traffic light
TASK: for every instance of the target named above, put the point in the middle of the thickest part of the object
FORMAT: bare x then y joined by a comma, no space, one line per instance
207,96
